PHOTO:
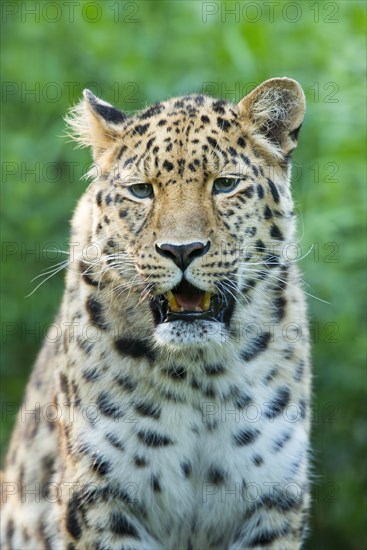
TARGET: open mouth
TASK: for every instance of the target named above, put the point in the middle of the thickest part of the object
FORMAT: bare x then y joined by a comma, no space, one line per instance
186,302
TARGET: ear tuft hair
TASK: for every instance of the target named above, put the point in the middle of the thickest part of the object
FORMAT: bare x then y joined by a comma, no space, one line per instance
94,123
275,109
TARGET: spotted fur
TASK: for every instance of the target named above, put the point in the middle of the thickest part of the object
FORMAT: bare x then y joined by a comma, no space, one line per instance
137,434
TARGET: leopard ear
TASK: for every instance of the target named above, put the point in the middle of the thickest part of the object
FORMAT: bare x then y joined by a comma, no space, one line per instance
275,110
94,123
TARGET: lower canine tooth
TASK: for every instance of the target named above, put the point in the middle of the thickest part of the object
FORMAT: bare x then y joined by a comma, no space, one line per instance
172,302
205,303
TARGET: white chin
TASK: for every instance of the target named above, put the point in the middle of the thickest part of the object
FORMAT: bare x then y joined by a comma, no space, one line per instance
183,335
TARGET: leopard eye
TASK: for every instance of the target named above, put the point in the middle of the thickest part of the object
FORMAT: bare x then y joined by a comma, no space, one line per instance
225,185
141,190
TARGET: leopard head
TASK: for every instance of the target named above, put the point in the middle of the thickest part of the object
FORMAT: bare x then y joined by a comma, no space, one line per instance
191,203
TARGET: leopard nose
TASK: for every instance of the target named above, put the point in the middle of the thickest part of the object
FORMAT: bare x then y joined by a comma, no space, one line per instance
183,254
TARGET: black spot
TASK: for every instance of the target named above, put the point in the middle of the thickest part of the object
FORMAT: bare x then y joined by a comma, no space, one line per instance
260,246
64,384
298,375
212,141
258,345
249,191
10,532
140,461
94,309
278,403
267,213
152,111
281,441
107,407
100,466
149,143
232,152
121,526
223,124
167,165
257,460
135,348
209,392
260,191
156,486
218,106
162,122
205,119
129,161
148,409
303,409
245,437
72,523
255,170
264,538
123,213
181,166
242,400
178,373
115,442
83,268
280,305
154,439
216,475
99,198
141,129
282,501
122,151
241,142
186,468
273,190
245,159
215,369
126,383
251,232
276,233
109,198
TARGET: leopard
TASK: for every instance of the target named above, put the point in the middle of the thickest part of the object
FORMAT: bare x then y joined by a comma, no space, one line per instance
169,406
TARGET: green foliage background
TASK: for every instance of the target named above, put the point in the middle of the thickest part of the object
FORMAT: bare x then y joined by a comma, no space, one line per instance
134,53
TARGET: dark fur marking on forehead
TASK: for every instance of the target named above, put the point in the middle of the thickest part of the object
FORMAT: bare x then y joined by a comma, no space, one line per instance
218,106
223,124
130,160
141,128
150,143
122,151
167,165
199,100
245,159
152,111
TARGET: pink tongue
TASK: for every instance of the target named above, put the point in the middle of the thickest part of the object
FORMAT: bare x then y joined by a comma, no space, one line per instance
188,302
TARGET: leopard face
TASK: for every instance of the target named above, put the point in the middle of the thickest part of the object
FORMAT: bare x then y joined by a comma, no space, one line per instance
191,204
